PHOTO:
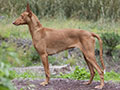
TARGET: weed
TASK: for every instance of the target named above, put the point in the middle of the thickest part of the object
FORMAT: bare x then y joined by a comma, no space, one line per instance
110,41
27,74
83,74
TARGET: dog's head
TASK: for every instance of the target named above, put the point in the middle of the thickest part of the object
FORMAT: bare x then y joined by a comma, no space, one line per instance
24,18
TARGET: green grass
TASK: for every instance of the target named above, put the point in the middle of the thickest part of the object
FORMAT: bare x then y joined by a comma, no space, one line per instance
7,29
27,74
10,30
78,74
83,74
118,47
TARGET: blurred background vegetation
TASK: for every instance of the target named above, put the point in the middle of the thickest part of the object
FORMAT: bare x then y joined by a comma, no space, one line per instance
98,16
80,9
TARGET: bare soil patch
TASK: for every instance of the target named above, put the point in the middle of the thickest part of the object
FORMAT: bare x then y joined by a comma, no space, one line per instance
61,84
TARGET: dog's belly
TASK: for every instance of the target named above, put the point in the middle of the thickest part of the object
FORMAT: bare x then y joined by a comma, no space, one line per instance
51,51
60,47
55,47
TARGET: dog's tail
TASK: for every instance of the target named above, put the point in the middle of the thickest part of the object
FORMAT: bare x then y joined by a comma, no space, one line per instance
101,50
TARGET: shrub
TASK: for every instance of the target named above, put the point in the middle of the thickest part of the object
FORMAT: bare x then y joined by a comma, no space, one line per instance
34,56
110,41
82,74
78,74
27,74
82,9
5,76
8,54
71,61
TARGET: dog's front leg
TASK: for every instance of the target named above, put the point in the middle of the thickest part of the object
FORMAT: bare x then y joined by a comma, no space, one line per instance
44,58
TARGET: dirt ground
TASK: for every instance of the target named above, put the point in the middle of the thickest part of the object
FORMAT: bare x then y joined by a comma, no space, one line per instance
61,84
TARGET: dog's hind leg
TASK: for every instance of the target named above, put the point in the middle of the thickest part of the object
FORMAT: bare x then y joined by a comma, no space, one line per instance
92,72
90,66
87,48
93,62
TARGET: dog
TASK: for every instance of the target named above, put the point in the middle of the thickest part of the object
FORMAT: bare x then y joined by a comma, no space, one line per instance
50,41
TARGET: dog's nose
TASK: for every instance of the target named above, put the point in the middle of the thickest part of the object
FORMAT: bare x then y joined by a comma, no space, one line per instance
13,23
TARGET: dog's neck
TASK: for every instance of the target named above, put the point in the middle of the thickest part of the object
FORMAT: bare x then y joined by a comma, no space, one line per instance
34,24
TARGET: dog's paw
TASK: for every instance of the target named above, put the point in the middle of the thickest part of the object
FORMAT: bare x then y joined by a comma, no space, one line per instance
86,83
99,87
44,83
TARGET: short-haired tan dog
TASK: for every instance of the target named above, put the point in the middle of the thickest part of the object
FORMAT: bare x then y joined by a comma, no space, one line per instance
50,41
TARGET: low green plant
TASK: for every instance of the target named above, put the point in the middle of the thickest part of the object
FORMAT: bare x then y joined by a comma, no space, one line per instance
34,56
66,53
112,75
52,60
82,74
27,74
110,41
78,74
71,61
5,77
6,54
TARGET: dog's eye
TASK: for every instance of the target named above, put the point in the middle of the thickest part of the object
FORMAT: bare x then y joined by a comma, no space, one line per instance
22,17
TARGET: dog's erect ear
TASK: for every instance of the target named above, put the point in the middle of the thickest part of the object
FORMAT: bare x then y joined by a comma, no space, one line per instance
28,10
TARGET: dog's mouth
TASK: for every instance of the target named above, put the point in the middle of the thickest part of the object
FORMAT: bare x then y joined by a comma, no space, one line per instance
15,23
